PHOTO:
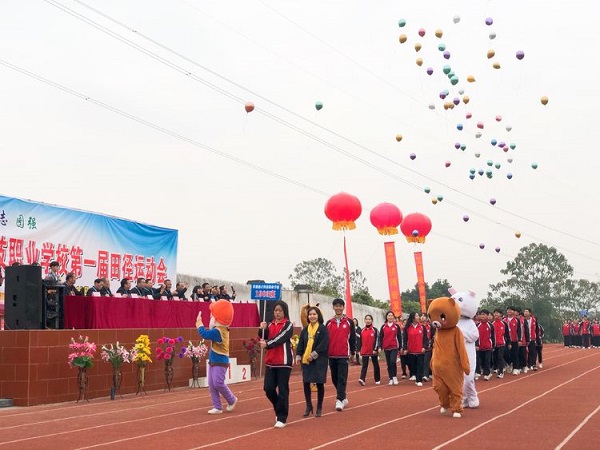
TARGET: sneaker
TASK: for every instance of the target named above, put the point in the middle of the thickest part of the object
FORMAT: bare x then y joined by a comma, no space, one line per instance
525,369
413,378
230,408
500,375
516,371
361,382
391,383
425,378
339,406
456,415
418,383
403,376
345,402
540,366
534,369
477,376
443,410
395,381
487,377
279,424
215,411
377,383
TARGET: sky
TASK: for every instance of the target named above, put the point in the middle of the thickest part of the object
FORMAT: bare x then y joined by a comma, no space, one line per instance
135,109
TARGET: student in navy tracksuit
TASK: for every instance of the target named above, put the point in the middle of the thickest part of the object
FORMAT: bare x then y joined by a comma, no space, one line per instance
390,340
485,344
414,343
369,350
342,346
276,338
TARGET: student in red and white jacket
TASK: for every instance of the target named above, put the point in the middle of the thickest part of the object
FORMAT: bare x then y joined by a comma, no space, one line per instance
485,344
429,349
513,324
342,346
500,336
390,340
369,350
524,342
534,330
576,334
414,343
276,338
586,330
566,332
595,333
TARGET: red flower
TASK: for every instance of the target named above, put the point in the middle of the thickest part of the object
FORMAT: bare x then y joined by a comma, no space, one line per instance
169,349
160,341
171,341
158,350
166,355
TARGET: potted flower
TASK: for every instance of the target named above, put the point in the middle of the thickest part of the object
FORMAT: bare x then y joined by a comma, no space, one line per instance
81,355
253,349
166,351
116,355
195,353
141,356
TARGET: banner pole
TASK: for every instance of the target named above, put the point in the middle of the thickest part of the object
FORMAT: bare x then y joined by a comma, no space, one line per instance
264,315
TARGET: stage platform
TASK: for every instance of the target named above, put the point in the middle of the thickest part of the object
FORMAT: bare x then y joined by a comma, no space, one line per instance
34,369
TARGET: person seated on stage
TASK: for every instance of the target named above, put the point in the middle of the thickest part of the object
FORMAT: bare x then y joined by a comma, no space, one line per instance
53,277
206,292
180,290
165,290
140,288
70,288
106,292
224,295
150,290
196,293
97,287
125,288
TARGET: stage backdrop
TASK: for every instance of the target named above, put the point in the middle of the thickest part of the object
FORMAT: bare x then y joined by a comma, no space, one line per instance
87,244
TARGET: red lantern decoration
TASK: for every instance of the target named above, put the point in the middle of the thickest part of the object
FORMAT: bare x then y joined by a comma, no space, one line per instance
343,209
386,218
416,227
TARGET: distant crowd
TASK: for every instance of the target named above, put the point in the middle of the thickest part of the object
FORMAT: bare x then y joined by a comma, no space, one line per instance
581,333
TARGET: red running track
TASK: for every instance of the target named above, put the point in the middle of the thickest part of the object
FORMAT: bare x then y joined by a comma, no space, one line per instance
555,407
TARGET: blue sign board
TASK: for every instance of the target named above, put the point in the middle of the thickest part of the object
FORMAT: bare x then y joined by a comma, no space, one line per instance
265,291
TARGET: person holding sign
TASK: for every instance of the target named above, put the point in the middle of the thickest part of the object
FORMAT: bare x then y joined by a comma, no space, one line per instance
276,338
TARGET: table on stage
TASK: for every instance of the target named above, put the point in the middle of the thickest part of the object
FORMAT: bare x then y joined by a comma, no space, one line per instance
115,312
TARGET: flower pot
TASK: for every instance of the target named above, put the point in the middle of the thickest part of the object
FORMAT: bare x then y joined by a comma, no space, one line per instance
82,382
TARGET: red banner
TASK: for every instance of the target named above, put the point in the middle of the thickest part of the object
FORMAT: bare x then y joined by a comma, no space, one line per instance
421,281
393,281
348,291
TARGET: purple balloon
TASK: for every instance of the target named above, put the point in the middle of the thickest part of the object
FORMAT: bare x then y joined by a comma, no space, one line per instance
502,144
443,95
466,218
497,249
482,246
520,54
457,145
429,71
446,54
456,101
413,156
489,21
493,201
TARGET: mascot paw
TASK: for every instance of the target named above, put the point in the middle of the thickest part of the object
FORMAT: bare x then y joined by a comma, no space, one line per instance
443,410
457,415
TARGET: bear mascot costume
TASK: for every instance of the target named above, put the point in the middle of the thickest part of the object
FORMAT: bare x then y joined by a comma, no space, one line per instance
468,304
449,360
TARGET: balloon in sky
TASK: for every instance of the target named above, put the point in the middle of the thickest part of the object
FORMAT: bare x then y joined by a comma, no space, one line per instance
472,176
413,156
509,160
501,144
491,54
497,249
441,46
440,197
429,70
471,79
418,46
427,189
431,106
478,134
249,107
509,175
498,118
443,94
534,165
513,146
493,201
461,91
496,65
472,170
508,128
419,61
466,99
446,69
466,218
463,147
401,23
492,35
446,54
468,115
439,33
454,80
459,126
477,154
421,32
482,246
457,145
456,19
480,172
490,162
520,55
489,21
434,201
319,105
517,234
402,38
544,100
480,125
448,164
497,165
398,137
493,142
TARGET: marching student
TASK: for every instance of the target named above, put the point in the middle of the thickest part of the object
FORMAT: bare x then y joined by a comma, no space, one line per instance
485,344
403,357
540,345
524,342
586,329
513,326
533,328
595,334
428,350
390,339
342,346
566,332
414,342
500,334
276,338
576,334
369,350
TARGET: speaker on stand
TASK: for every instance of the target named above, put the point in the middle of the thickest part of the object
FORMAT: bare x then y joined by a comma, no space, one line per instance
24,308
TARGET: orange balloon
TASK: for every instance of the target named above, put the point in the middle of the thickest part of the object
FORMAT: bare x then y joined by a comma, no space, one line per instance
517,235
398,137
402,38
439,33
419,62
417,47
544,100
491,54
249,107
471,79
434,201
496,65
466,99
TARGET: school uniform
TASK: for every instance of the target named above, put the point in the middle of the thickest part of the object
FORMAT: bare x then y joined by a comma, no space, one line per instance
586,333
369,339
390,339
513,326
414,340
566,332
533,328
485,345
596,334
342,345
500,331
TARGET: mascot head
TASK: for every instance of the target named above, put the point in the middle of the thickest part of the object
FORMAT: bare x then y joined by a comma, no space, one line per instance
467,302
221,312
443,312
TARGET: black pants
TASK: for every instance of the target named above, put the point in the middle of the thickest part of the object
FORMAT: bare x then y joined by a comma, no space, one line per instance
339,375
499,359
415,365
308,394
427,364
539,353
277,388
595,341
484,357
514,355
365,366
585,340
390,358
567,340
522,356
531,354
404,364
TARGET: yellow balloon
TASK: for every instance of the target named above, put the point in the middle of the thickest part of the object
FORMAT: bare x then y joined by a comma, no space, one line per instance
439,33
496,65
419,61
491,54
471,79
434,201
398,137
417,47
402,38
466,99
517,235
544,100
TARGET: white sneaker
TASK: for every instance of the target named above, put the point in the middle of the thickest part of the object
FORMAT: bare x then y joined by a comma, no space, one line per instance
540,366
395,381
418,383
476,376
443,410
487,377
456,415
345,402
215,411
425,378
525,369
279,424
377,383
516,371
361,382
231,407
403,377
339,405
391,383
500,375
413,378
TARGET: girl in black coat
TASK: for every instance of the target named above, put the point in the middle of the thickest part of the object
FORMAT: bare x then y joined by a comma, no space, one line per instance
311,352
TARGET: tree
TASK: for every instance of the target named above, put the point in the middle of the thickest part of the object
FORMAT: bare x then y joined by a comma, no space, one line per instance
584,296
438,289
537,279
320,274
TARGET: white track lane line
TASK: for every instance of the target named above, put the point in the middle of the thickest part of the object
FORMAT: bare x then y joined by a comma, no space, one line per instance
577,428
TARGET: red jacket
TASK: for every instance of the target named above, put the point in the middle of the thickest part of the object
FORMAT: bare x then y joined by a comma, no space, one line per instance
390,336
342,340
585,327
486,336
596,329
499,332
532,328
414,338
279,345
369,341
566,329
514,329
524,331
575,329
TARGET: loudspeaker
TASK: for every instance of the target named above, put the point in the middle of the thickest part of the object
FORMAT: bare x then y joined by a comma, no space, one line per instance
23,305
266,315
